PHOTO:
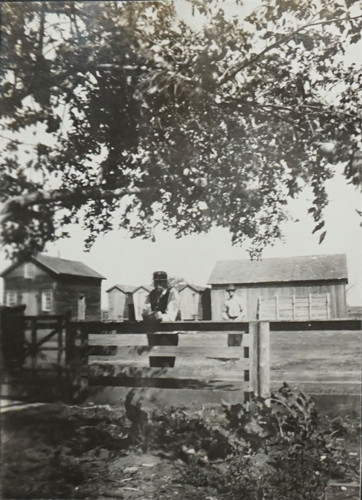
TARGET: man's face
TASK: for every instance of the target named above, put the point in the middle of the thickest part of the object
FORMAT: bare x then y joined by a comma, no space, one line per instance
231,292
160,285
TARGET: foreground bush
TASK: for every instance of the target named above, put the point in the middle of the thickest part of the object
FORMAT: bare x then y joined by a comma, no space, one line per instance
282,452
265,449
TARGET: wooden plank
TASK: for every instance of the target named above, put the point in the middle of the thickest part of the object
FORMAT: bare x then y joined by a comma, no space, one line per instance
180,327
187,339
335,324
254,358
196,352
44,317
328,305
264,359
60,341
33,343
214,385
204,339
309,306
129,339
226,370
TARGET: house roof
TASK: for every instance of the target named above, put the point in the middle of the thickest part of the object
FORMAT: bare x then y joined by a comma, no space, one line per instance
60,267
289,269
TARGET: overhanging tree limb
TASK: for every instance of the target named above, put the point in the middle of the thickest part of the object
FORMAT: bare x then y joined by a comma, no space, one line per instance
76,195
232,72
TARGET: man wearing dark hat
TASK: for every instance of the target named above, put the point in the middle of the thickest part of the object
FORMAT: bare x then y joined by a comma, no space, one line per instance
162,303
233,307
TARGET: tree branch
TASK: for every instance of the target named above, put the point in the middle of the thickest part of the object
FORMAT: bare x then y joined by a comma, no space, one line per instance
60,195
233,72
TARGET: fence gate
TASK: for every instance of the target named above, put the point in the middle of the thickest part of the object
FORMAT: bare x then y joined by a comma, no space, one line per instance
206,360
32,343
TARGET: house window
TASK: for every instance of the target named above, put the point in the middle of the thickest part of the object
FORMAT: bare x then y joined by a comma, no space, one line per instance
29,270
47,301
11,299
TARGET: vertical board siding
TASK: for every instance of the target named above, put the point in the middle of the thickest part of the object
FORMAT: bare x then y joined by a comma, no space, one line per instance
252,293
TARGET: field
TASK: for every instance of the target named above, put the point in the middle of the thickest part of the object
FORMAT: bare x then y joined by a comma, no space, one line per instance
326,362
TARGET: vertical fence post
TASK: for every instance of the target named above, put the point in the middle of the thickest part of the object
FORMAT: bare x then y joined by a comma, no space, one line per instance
76,359
12,340
254,357
84,359
33,344
309,306
60,324
260,358
264,359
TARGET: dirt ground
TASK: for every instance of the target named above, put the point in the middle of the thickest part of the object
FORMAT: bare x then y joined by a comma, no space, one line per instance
55,451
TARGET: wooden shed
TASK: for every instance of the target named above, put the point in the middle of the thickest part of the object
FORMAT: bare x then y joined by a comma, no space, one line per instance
191,302
283,288
50,285
120,303
139,296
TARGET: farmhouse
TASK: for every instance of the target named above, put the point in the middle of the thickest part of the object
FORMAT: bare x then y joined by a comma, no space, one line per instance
50,285
283,288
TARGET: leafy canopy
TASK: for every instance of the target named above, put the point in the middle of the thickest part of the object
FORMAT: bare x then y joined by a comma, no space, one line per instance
142,116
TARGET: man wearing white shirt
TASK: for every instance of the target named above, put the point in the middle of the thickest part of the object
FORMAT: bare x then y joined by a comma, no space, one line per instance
234,309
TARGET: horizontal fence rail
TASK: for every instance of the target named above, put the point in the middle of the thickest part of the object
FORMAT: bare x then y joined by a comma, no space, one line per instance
211,356
316,325
195,357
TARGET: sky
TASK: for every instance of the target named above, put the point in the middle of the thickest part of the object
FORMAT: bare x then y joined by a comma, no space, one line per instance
127,261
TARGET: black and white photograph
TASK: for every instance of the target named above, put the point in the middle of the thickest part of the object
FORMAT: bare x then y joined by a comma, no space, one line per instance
181,249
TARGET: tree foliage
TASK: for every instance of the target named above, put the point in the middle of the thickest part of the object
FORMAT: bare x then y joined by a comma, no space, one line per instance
142,116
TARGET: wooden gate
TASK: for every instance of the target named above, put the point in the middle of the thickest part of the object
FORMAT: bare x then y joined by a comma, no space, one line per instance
215,357
44,347
32,343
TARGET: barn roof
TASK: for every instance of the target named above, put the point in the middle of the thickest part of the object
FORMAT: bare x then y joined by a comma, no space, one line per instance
59,266
289,269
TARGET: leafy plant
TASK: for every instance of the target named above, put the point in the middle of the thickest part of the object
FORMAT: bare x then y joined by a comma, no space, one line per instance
283,453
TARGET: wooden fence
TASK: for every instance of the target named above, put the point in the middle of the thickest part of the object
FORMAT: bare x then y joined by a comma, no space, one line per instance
183,357
207,356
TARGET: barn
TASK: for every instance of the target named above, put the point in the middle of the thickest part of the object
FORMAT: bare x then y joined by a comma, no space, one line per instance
304,287
50,285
